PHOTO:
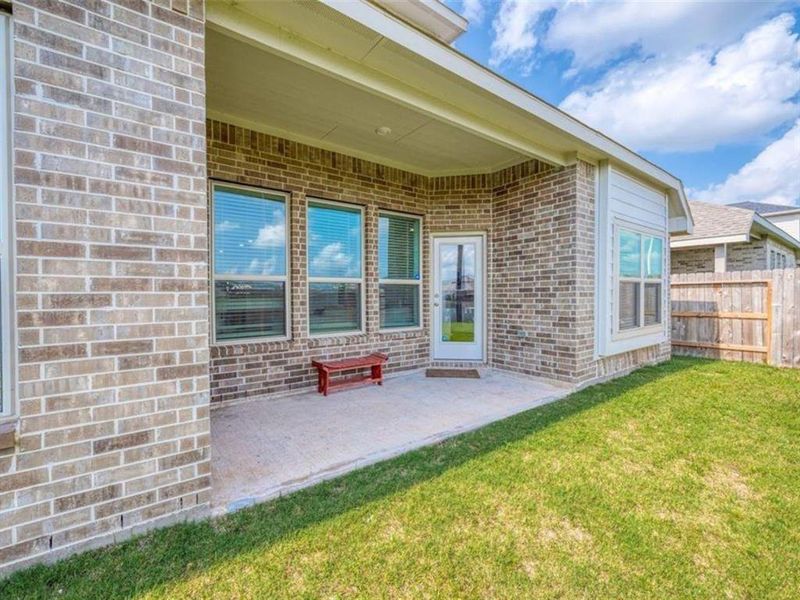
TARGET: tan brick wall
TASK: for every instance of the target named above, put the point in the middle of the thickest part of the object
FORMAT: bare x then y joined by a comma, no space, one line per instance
747,257
111,218
539,225
693,260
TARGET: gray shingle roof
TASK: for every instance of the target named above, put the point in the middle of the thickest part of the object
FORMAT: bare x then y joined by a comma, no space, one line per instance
764,208
714,220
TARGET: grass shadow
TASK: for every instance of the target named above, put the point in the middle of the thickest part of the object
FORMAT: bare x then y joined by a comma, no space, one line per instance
181,551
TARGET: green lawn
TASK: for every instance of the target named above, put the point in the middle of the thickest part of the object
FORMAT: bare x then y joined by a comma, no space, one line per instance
678,481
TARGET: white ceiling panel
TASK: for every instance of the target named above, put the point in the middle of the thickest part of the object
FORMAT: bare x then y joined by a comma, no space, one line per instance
253,87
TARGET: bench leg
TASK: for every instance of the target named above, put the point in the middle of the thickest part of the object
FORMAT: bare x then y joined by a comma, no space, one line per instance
325,382
377,374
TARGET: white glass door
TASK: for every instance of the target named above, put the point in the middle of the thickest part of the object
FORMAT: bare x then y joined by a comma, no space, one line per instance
457,301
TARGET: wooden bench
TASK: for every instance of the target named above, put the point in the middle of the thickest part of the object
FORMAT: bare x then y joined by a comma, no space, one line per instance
325,368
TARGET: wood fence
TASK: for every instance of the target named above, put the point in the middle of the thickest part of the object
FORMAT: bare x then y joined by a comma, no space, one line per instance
749,316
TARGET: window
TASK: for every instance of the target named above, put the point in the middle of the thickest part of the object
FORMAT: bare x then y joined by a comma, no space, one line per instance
250,263
640,273
6,223
335,269
400,277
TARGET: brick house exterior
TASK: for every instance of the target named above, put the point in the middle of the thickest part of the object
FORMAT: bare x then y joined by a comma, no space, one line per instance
106,431
732,238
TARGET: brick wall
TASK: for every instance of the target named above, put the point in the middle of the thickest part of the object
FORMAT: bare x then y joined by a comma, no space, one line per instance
243,156
111,218
539,225
693,260
747,257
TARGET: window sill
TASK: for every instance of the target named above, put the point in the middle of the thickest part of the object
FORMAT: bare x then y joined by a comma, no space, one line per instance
8,434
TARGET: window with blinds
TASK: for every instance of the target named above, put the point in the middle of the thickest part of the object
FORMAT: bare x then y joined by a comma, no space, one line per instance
640,271
335,269
400,276
250,263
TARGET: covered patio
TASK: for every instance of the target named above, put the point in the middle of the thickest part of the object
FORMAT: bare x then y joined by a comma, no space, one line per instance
263,449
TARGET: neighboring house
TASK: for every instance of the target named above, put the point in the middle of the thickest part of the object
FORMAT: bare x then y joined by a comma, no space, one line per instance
785,217
726,238
204,197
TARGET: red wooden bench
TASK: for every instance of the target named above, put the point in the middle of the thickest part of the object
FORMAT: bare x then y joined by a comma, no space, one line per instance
325,368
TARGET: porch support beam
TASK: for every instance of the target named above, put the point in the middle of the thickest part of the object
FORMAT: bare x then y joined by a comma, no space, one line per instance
263,35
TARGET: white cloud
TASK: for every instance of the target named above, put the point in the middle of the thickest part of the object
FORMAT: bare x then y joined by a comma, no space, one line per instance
472,10
227,226
273,234
332,258
702,100
596,32
515,30
773,176
262,267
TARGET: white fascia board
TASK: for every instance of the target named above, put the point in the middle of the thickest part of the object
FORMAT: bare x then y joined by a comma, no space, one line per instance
431,16
709,241
448,58
780,213
775,231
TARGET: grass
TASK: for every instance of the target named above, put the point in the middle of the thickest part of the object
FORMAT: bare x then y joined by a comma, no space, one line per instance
459,332
681,480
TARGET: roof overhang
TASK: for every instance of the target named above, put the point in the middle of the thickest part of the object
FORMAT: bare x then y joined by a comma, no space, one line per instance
773,230
760,228
431,16
358,43
780,213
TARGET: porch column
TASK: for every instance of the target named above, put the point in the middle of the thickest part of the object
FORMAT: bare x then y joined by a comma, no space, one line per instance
720,258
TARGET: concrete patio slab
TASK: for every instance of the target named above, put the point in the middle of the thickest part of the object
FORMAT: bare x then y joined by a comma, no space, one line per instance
270,447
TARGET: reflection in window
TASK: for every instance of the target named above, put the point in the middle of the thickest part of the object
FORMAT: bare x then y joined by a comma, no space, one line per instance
335,275
457,273
640,269
250,267
400,280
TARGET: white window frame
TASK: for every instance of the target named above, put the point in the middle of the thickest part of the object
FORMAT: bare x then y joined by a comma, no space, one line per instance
7,301
642,329
361,280
418,282
286,277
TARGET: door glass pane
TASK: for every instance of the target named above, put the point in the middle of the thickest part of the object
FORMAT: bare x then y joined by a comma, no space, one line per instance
630,252
652,303
457,280
629,304
334,307
249,309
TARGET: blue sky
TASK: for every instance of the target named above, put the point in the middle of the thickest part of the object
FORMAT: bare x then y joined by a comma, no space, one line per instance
708,90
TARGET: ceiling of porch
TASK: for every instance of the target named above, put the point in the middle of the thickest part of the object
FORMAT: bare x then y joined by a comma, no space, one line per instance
253,87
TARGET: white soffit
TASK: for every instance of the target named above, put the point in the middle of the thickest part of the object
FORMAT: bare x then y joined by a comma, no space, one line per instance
360,43
257,89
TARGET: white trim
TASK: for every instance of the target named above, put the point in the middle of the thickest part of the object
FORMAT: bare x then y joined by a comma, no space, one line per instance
710,241
362,280
431,16
449,58
642,331
776,231
214,183
417,282
483,288
720,258
7,262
